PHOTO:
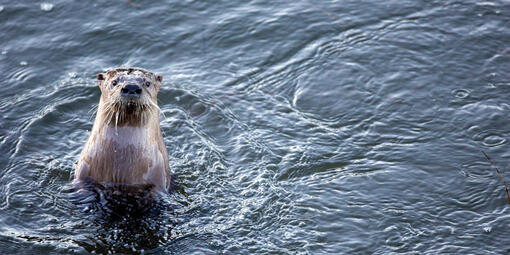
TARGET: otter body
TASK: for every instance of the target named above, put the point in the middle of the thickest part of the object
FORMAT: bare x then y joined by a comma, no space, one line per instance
126,145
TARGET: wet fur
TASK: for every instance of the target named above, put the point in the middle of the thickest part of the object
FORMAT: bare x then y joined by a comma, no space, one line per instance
126,145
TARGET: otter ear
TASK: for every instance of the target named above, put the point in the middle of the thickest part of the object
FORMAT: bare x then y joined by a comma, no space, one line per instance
159,78
100,78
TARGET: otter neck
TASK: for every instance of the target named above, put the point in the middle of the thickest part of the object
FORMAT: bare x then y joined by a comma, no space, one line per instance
127,114
126,133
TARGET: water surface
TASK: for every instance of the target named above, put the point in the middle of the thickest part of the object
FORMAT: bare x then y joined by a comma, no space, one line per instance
308,127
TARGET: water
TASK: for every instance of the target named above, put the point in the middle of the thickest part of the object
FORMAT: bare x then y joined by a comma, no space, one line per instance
308,127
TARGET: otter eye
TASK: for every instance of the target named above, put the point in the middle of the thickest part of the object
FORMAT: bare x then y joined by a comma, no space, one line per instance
147,83
114,83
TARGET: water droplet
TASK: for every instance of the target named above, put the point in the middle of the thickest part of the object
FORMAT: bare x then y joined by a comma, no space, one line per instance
461,93
1,8
4,52
46,7
487,229
23,63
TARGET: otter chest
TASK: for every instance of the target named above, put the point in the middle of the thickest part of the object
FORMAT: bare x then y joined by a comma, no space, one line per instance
126,155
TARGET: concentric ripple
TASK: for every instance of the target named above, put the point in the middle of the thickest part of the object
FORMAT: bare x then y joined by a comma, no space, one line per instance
305,127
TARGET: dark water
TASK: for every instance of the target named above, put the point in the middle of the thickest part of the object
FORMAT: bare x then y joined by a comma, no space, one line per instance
293,127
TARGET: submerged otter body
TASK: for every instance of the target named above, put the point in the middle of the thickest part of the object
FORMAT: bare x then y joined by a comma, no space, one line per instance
126,145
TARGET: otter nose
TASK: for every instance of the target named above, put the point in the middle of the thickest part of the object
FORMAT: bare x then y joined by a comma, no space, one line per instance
131,90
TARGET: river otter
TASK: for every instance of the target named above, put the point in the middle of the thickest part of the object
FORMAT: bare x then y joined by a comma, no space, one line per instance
126,145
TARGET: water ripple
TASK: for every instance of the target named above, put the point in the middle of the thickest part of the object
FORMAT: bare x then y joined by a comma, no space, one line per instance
305,127
490,138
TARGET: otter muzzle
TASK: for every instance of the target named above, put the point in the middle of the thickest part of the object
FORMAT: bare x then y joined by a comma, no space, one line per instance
131,91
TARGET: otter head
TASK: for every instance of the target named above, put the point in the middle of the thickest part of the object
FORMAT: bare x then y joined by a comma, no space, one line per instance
128,96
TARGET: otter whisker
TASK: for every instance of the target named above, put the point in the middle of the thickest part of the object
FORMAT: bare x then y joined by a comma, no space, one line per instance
142,119
163,114
93,110
110,112
151,103
116,120
153,106
108,115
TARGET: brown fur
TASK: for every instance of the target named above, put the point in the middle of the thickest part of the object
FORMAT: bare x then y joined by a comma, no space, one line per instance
126,145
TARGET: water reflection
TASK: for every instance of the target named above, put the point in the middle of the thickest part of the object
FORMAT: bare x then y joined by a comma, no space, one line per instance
124,219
